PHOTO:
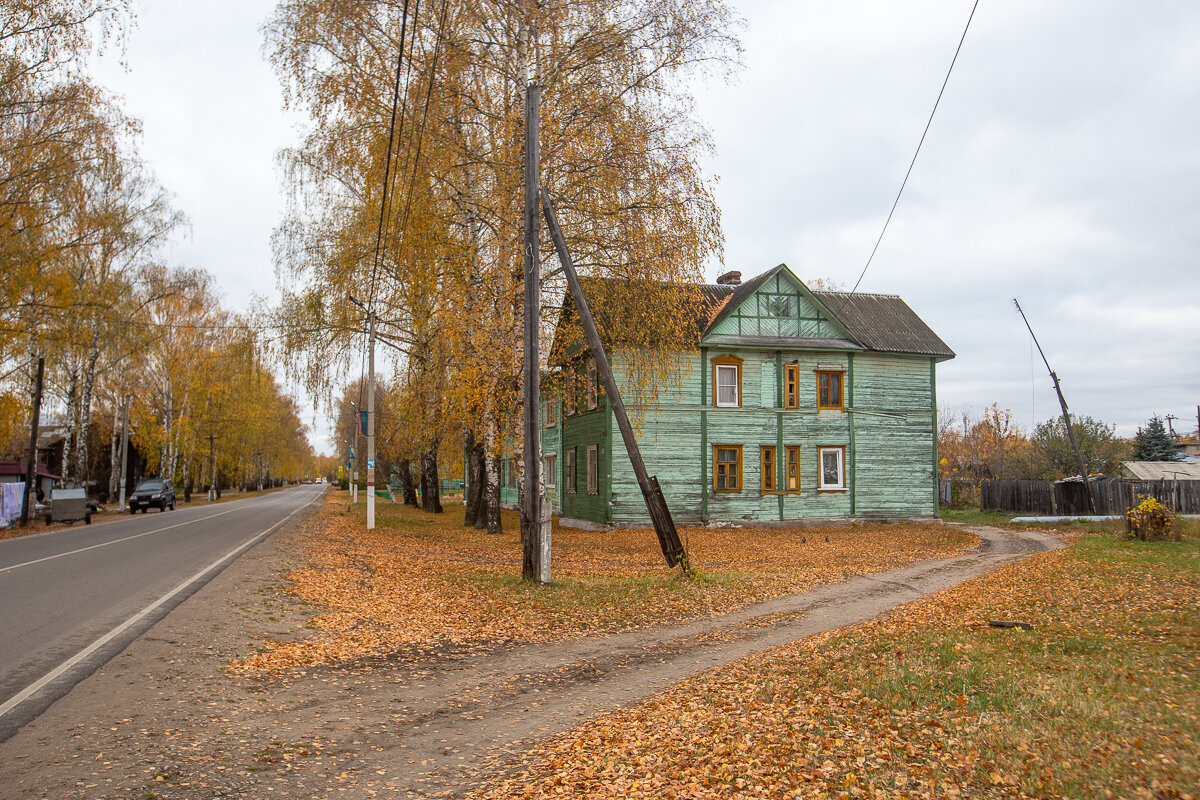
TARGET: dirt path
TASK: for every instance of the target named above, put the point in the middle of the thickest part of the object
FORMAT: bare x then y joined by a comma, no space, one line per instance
162,721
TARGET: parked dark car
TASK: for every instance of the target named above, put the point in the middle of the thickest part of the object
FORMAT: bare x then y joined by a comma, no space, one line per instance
153,492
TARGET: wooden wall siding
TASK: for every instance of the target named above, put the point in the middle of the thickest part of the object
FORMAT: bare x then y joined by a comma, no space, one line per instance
891,460
670,442
581,430
886,383
767,382
753,316
551,443
682,389
894,435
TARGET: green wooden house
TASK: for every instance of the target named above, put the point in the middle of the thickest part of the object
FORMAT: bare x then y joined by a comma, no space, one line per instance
797,405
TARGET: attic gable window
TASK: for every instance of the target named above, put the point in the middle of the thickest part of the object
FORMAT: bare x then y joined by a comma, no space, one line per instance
727,382
570,392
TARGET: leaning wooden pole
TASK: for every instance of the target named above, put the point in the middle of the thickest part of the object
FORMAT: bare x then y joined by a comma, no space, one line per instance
1062,402
656,504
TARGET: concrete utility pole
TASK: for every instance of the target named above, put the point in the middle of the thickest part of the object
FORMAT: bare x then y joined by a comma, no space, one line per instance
535,532
31,458
371,420
124,454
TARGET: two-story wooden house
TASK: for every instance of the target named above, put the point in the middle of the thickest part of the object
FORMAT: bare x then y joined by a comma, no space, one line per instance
797,405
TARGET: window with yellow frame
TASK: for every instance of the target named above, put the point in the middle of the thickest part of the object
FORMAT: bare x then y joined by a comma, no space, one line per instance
791,386
829,389
767,456
727,467
792,469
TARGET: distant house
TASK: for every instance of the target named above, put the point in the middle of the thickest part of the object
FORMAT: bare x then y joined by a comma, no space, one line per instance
797,405
1160,470
14,472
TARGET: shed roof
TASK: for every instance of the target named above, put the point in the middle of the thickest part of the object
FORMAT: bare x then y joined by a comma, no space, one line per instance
1162,470
17,468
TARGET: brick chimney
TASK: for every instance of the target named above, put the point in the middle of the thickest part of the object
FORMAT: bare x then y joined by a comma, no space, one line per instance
731,278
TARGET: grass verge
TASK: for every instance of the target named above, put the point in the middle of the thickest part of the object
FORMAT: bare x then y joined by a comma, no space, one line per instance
422,581
1100,699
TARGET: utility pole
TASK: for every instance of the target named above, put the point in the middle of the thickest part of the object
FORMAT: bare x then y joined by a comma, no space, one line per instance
1062,401
124,453
535,533
31,459
368,430
371,420
212,468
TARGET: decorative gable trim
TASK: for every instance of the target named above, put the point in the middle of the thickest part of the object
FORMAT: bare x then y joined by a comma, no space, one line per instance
766,303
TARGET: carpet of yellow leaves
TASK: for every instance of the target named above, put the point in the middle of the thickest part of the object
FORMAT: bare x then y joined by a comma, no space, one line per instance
420,582
1100,699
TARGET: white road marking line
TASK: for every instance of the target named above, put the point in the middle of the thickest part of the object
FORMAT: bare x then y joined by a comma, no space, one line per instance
125,539
54,674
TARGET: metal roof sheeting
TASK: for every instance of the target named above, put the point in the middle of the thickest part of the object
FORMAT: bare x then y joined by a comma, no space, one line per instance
1162,470
885,323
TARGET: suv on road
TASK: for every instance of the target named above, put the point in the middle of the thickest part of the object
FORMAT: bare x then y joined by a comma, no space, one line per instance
152,492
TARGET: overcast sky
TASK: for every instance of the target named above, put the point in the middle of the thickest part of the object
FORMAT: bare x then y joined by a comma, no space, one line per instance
1062,168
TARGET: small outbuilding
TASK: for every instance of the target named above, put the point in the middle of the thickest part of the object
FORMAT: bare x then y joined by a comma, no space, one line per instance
1160,470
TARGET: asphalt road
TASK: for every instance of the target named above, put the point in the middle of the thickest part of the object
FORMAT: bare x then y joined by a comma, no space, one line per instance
70,600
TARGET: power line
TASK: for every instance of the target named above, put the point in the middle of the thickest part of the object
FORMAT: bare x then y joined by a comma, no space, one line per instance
437,51
918,151
387,163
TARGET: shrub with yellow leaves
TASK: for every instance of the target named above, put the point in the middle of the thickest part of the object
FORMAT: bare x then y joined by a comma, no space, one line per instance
1150,521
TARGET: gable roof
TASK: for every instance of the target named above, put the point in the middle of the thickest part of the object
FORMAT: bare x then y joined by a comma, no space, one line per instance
875,322
885,323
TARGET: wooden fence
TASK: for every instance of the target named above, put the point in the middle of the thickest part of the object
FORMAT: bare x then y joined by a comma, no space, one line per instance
1113,496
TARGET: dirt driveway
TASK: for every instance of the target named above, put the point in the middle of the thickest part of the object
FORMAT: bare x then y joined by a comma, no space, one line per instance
163,721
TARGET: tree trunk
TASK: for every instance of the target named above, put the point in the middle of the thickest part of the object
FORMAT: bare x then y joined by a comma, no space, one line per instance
431,500
82,449
407,484
491,482
114,461
473,495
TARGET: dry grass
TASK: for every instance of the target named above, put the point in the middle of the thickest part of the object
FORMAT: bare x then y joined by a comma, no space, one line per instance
1100,699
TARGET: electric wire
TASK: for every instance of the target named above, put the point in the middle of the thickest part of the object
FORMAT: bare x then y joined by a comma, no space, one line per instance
412,180
387,162
925,133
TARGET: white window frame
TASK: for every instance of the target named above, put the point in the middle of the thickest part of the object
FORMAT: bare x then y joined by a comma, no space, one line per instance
551,411
840,453
593,469
550,471
572,477
730,369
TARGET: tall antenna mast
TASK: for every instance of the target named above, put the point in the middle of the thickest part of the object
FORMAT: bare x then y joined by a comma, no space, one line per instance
1062,401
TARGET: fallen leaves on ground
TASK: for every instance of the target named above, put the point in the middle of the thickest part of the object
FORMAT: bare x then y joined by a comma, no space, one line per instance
1099,699
420,582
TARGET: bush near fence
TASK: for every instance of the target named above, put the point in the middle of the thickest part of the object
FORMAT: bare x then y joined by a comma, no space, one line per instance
1068,498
